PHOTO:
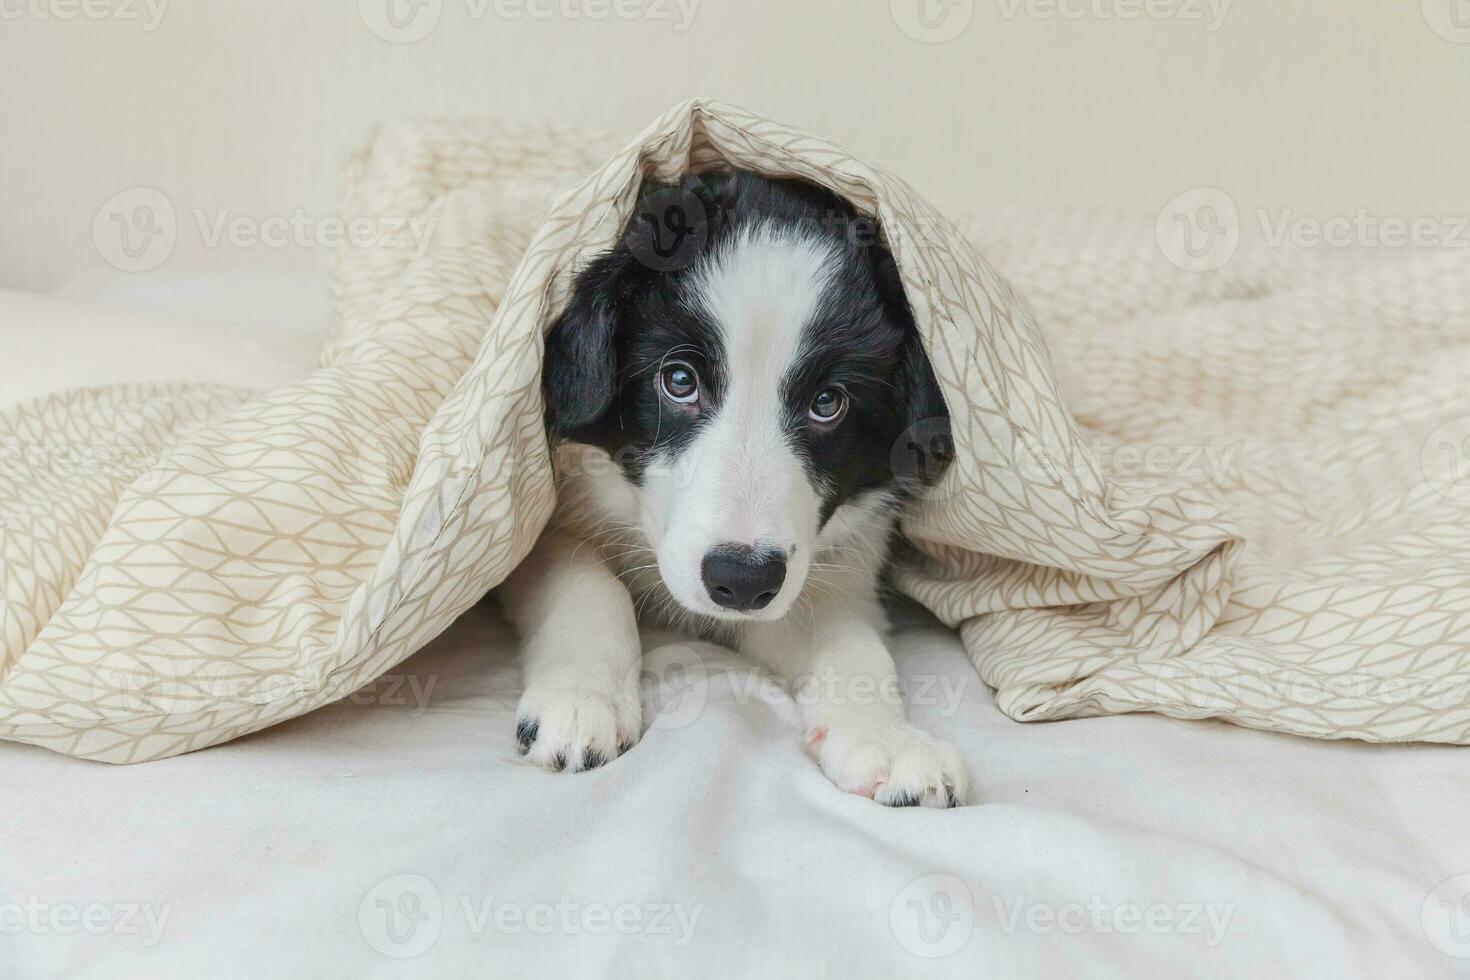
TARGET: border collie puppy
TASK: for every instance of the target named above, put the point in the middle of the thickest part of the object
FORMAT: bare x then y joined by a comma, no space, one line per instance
725,391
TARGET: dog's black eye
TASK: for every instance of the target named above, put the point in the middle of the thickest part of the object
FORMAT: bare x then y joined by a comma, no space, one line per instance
679,383
828,406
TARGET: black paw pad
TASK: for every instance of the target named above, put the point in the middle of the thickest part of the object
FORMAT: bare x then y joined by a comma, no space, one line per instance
526,729
592,758
902,799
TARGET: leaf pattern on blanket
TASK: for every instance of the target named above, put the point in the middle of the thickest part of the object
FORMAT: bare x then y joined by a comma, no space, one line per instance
260,555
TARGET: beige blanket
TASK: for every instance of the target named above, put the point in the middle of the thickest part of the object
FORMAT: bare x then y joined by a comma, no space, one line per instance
1238,494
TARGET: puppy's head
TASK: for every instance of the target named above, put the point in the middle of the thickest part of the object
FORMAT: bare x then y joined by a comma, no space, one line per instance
746,354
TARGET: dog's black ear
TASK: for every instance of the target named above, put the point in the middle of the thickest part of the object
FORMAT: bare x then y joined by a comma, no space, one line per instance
579,373
928,441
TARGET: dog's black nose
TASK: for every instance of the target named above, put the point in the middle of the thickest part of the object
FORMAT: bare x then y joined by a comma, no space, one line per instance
741,578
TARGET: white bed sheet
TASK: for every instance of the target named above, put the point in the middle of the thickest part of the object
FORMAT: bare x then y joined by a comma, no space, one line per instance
398,833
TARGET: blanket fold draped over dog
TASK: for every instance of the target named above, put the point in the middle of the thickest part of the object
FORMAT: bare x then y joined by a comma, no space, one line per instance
1241,494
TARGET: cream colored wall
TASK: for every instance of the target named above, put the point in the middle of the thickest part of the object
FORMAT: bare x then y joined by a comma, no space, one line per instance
1318,105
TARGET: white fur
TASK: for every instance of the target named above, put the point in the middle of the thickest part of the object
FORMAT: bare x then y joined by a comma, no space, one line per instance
616,547
746,485
579,650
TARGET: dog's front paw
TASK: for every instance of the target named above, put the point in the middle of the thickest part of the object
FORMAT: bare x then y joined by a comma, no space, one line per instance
576,729
894,764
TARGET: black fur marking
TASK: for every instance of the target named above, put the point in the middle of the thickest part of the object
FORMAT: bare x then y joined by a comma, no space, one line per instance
634,309
526,729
